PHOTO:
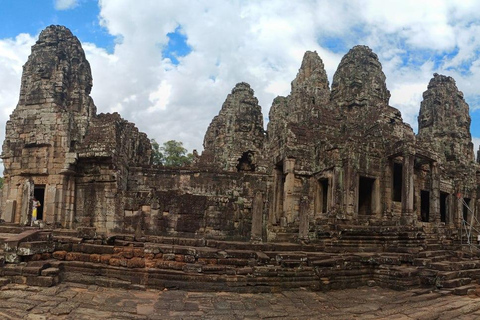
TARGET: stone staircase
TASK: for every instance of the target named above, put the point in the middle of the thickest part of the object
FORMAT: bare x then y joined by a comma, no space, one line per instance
453,271
353,238
347,257
20,246
284,234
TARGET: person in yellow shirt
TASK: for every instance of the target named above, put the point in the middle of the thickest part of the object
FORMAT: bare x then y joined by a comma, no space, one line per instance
35,205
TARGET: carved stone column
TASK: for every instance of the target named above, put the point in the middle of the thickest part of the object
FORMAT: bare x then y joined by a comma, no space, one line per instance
257,217
434,193
304,219
289,200
407,188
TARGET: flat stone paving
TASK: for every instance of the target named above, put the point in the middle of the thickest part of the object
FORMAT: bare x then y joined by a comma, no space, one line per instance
74,301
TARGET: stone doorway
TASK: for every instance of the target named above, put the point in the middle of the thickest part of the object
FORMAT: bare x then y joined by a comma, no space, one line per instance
365,195
443,206
397,182
424,205
39,194
322,196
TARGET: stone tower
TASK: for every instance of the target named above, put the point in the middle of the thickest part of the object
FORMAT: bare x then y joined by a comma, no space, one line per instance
50,120
359,80
444,121
234,139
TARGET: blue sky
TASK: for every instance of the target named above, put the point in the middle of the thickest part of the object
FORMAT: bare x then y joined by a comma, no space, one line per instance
23,16
168,65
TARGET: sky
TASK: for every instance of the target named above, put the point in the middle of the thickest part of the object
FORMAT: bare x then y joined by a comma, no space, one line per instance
167,66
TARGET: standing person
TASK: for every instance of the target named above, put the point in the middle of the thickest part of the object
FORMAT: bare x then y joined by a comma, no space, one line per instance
35,205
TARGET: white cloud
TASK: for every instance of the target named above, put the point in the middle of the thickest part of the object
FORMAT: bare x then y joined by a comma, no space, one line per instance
261,43
65,4
13,54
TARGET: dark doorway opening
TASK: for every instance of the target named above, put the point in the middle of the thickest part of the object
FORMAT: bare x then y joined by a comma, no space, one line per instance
424,205
365,191
246,162
443,206
323,194
39,194
279,188
466,206
397,182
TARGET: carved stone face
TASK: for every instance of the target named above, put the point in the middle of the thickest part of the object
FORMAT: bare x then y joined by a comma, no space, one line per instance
359,79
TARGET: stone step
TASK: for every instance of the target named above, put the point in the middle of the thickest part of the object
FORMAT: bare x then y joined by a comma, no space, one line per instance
464,290
471,273
285,237
336,248
449,275
432,253
454,283
34,247
292,263
425,262
440,258
444,266
4,281
11,228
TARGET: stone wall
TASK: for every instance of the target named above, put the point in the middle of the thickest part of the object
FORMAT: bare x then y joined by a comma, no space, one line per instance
194,202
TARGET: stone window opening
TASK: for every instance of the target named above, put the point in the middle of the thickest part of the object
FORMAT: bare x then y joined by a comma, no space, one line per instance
365,195
443,206
246,162
424,205
397,182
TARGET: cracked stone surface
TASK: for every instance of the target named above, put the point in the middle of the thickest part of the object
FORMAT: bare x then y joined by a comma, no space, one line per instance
74,301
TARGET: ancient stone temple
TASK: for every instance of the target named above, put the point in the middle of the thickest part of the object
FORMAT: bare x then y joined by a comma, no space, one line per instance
54,131
336,171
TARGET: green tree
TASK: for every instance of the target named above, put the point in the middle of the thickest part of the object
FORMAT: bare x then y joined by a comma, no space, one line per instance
172,153
1,182
157,156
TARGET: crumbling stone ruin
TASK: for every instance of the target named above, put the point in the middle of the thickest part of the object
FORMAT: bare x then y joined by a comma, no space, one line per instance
337,192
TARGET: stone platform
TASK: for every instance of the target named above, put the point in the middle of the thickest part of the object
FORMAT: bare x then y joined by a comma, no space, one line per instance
353,258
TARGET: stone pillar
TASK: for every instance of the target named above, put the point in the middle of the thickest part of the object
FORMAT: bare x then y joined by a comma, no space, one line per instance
337,191
10,210
27,194
257,217
276,205
304,219
434,193
350,187
289,199
407,188
387,189
450,209
376,196
458,210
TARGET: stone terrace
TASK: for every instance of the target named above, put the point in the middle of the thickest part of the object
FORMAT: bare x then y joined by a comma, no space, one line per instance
48,257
